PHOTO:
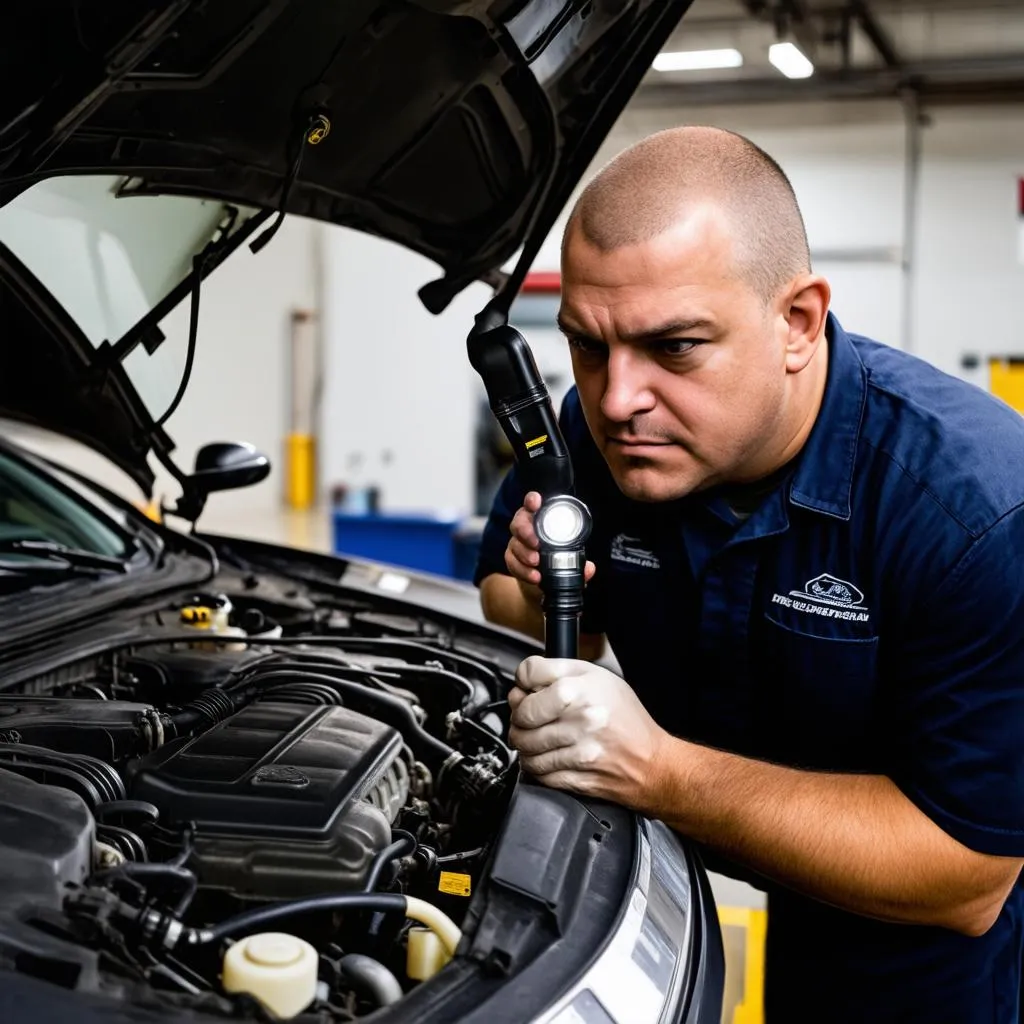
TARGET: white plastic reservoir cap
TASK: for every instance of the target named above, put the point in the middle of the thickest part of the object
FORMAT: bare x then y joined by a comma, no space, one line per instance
278,969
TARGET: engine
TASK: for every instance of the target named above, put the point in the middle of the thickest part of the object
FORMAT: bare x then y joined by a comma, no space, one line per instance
284,799
170,796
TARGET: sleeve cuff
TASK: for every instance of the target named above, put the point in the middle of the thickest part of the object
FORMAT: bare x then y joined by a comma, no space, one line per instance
488,567
999,842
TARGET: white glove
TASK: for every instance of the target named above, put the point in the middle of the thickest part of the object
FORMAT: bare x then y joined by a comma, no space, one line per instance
579,727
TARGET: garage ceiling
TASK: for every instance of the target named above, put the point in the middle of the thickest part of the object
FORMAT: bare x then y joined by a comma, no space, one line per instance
941,51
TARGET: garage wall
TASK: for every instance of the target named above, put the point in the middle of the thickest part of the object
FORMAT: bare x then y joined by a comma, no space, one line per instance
399,392
969,284
964,288
399,400
848,164
239,381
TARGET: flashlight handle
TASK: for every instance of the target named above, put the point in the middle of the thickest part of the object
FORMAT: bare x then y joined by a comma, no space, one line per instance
520,401
562,592
561,636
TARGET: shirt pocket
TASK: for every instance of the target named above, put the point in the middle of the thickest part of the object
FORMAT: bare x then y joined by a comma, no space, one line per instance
823,693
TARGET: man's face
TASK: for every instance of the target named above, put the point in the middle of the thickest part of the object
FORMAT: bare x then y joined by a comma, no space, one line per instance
679,363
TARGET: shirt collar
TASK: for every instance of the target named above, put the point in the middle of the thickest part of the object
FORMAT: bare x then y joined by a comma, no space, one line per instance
823,480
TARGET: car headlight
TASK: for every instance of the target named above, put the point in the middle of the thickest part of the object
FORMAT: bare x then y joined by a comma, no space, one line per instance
640,975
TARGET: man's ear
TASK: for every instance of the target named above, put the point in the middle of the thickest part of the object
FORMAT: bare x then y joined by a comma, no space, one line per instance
804,311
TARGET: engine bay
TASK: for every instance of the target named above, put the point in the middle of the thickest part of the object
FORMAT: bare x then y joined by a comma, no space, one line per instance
242,774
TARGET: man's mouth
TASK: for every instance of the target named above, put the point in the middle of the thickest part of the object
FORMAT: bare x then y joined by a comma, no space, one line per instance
638,442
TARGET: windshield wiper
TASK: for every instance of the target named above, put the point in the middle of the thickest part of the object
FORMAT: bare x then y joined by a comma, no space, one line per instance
57,558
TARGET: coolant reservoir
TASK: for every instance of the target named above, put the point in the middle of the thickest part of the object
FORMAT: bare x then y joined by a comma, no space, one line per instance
278,969
205,616
211,615
425,955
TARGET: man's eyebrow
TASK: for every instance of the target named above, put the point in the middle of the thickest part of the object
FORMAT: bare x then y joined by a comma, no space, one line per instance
667,329
567,328
646,334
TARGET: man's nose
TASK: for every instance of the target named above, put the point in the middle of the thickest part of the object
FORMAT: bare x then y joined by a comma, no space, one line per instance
627,390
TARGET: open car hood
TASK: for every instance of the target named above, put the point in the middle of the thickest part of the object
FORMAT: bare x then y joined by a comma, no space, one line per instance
457,128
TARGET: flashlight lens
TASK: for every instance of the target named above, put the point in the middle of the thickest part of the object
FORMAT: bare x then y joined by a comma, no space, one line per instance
561,522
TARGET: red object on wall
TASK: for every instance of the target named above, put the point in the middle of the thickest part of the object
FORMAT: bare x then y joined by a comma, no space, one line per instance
542,282
1020,197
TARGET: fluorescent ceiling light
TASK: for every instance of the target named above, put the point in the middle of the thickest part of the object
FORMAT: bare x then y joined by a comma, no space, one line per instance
697,60
790,61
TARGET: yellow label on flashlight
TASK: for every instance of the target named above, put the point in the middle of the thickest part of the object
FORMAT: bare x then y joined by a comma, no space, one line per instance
455,884
536,441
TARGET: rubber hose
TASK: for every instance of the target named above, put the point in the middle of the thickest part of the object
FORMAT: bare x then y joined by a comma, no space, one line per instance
391,710
211,706
468,698
393,903
371,977
405,844
151,870
109,812
478,693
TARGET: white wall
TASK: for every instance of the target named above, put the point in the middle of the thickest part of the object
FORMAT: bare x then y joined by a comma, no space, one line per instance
846,165
397,378
964,288
969,282
847,162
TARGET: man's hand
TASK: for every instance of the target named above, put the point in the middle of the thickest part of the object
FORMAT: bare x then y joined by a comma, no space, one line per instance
854,841
522,554
580,727
515,600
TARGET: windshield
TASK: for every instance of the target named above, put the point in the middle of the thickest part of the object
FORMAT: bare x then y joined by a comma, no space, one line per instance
34,509
120,256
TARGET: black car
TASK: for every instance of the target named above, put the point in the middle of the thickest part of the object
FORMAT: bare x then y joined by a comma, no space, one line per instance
240,781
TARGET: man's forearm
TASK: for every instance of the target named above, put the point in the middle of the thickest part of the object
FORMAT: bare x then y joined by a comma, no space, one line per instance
854,841
505,604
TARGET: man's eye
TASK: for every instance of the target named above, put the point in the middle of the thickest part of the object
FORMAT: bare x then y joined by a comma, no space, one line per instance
587,346
676,346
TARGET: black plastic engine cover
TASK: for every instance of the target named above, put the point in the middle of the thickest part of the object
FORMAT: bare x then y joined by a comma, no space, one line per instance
46,838
280,797
179,674
108,729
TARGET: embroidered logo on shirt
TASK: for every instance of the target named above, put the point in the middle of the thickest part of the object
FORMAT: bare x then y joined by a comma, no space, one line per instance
828,596
625,549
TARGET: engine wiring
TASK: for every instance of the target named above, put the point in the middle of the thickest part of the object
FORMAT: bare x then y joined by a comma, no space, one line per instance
177,875
147,904
403,846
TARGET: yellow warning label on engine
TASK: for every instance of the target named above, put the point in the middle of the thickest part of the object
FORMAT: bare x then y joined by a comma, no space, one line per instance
536,441
455,884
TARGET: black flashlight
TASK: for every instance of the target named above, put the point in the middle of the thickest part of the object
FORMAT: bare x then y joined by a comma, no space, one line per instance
563,525
521,403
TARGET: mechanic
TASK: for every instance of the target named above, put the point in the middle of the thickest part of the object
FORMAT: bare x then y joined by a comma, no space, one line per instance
806,557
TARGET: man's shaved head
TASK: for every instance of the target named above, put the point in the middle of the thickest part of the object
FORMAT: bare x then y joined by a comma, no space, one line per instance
659,182
696,331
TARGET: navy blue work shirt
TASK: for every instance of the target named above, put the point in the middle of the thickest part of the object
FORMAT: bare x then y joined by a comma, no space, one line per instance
866,616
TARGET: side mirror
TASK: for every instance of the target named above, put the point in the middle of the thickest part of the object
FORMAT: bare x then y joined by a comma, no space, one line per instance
222,466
